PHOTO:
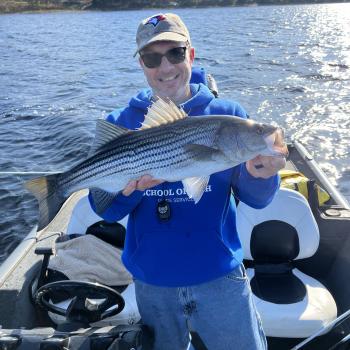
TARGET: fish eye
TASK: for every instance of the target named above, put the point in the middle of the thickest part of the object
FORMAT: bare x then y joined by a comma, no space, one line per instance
259,129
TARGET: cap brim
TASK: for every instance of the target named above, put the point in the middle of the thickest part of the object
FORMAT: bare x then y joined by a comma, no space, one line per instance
165,36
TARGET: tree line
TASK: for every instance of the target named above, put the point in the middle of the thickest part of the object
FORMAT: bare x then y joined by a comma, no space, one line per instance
42,5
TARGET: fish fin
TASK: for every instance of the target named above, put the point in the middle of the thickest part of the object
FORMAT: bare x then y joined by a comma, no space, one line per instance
46,191
162,112
105,133
195,187
102,199
204,153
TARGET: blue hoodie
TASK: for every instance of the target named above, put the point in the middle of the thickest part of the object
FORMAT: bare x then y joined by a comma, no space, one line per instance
199,242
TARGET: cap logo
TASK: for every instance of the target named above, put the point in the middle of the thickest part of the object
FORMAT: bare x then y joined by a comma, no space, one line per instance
156,19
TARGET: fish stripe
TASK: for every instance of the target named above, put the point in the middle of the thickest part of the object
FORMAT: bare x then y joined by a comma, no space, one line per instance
127,154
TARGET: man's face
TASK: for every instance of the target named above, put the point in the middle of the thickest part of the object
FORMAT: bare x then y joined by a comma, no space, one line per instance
169,80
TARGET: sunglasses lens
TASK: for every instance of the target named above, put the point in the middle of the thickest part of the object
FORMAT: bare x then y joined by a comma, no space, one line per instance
154,59
176,55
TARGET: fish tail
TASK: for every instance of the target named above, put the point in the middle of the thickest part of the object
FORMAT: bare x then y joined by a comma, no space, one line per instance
46,191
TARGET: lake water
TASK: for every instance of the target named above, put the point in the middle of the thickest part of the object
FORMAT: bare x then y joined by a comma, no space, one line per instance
59,72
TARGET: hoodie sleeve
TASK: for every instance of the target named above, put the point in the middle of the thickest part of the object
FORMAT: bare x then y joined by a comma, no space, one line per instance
120,207
255,192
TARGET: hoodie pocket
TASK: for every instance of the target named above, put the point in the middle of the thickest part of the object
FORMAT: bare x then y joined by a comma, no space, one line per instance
172,254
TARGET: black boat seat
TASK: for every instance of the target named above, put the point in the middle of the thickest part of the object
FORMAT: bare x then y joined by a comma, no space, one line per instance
84,220
291,304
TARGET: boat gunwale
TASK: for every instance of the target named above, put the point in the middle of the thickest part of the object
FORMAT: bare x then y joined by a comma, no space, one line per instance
338,198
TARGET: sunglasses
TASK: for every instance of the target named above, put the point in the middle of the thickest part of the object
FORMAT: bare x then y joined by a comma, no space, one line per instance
154,59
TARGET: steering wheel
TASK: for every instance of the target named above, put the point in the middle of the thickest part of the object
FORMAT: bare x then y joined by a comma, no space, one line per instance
90,301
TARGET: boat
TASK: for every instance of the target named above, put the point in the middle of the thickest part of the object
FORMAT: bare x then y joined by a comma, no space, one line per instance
295,252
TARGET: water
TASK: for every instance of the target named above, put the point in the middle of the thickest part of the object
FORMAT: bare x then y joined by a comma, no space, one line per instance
59,72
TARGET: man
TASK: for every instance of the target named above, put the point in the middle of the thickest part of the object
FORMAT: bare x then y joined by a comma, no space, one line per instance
186,258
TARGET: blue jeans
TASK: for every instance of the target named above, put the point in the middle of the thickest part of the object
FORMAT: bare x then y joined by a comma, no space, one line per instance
222,312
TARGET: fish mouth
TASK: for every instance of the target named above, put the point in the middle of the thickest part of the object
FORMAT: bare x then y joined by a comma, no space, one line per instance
275,143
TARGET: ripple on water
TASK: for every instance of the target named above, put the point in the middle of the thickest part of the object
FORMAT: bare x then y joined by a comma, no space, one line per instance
18,214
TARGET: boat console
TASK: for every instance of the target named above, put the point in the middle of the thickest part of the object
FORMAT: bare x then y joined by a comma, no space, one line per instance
86,303
106,338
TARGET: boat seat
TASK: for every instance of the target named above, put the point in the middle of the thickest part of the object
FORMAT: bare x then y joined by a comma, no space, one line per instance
291,304
85,221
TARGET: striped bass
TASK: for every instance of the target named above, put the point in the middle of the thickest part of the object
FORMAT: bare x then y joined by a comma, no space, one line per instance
169,146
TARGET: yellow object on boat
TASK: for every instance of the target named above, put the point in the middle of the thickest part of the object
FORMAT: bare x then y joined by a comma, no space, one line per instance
297,181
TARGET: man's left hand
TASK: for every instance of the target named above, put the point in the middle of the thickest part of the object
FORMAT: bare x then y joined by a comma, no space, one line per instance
265,166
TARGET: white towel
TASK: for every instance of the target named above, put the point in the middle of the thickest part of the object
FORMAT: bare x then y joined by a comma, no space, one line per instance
88,258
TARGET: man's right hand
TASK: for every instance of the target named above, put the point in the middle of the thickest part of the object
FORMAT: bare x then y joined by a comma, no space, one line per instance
146,181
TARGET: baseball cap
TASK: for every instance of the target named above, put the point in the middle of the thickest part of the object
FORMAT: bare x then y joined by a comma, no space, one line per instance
161,27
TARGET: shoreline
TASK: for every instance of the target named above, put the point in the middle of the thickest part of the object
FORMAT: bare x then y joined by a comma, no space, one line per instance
13,7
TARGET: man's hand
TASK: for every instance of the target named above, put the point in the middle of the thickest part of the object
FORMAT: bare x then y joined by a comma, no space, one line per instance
265,166
146,181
